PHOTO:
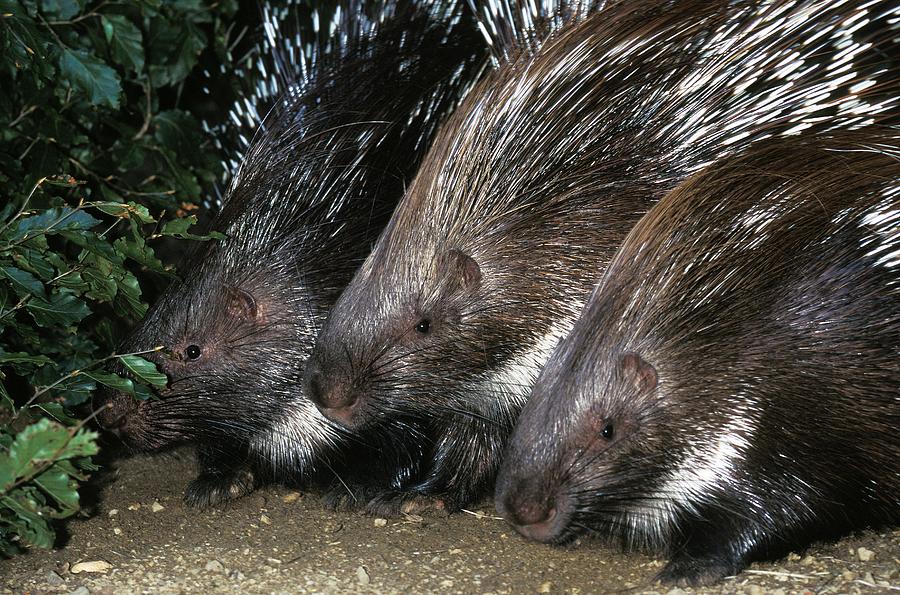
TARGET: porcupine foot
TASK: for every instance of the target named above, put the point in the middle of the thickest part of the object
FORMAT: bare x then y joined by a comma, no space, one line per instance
684,570
380,502
219,481
392,503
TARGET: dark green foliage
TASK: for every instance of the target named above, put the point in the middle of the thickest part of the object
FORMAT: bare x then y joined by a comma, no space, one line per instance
101,161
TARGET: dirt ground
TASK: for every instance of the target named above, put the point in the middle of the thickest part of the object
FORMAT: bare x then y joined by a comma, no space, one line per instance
144,540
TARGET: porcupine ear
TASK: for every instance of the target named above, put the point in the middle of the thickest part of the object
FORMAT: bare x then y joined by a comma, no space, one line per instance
641,373
463,269
241,305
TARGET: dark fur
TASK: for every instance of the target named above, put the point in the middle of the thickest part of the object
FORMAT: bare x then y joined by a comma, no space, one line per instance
771,351
315,188
524,197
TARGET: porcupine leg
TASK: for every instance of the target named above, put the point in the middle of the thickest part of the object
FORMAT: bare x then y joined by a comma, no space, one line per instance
224,476
716,547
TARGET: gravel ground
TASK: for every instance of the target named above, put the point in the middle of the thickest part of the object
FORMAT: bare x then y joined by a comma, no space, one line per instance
139,538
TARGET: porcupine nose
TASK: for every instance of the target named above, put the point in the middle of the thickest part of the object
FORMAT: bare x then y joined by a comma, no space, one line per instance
531,514
334,398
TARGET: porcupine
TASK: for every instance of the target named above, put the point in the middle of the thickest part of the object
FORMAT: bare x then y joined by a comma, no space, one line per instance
730,392
533,183
315,186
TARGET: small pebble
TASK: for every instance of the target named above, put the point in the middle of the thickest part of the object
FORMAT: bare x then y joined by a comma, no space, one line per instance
864,554
756,590
676,591
545,587
215,566
807,561
869,578
113,512
54,579
265,520
455,552
379,522
80,591
101,566
777,592
291,498
446,584
848,575
117,531
134,506
362,576
156,506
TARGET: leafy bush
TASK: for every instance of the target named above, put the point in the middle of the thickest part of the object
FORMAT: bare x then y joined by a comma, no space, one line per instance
102,157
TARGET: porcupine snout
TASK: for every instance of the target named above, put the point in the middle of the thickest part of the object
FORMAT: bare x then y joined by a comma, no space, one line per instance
333,394
532,511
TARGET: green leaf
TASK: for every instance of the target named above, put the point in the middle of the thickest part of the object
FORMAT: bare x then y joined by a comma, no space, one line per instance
82,444
126,210
144,370
51,221
174,50
100,275
76,390
34,262
178,228
113,381
124,40
23,362
57,412
141,254
33,528
60,9
143,393
173,129
92,244
96,80
72,467
56,483
73,280
38,443
62,309
23,283
128,299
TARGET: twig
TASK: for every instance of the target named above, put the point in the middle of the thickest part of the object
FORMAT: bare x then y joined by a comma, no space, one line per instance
868,584
777,573
481,515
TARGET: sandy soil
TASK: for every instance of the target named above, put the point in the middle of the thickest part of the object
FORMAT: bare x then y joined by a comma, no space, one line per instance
278,540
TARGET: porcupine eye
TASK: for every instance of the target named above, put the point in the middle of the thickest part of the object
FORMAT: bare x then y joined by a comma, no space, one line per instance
192,351
607,432
423,327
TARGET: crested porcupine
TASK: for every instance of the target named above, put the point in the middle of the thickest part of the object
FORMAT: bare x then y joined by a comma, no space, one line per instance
533,183
315,186
730,392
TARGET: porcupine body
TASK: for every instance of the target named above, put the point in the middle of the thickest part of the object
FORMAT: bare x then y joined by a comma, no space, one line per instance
534,182
315,186
730,392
